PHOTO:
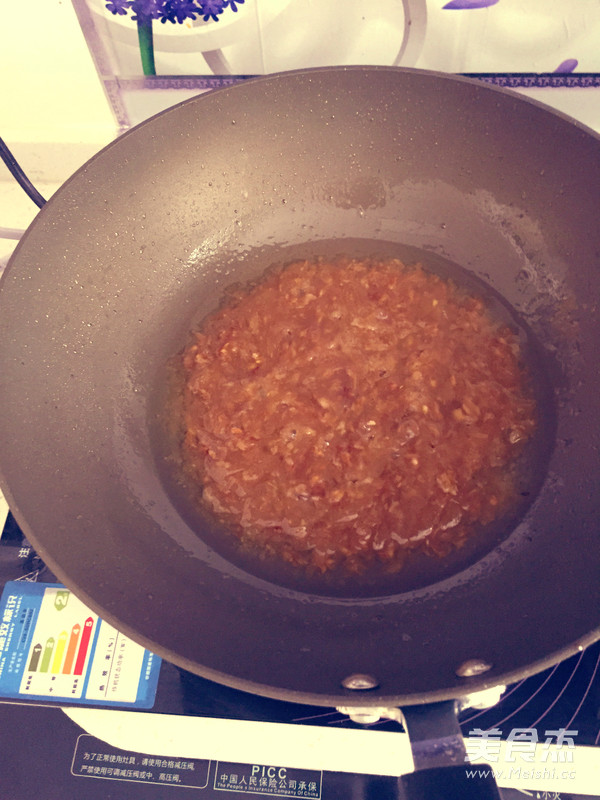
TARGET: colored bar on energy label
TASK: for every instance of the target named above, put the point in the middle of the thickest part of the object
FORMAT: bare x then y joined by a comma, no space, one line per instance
71,649
47,654
83,646
35,658
58,654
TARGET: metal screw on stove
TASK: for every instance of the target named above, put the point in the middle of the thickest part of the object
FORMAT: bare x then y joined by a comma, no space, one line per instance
369,715
473,667
360,682
486,698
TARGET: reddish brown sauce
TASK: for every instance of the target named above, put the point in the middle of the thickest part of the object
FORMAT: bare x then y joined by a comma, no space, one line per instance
338,413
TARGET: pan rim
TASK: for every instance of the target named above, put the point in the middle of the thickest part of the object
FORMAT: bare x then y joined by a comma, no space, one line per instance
277,76
442,694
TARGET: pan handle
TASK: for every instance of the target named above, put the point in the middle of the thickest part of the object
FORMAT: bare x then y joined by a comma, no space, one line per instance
442,770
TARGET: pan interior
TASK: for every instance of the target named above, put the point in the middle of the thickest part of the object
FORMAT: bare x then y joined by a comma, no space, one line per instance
378,580
126,259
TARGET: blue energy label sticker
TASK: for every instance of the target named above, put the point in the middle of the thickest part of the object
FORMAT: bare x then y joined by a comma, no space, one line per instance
52,647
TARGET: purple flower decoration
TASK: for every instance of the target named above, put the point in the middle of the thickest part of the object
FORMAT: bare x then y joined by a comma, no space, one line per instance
466,4
211,9
118,6
144,12
178,11
567,66
145,9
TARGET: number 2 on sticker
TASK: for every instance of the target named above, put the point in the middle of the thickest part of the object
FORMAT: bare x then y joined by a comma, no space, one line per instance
61,599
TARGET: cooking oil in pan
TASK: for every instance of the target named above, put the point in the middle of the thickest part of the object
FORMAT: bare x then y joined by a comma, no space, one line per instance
419,570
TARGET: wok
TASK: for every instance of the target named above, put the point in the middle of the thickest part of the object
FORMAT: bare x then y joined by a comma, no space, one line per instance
139,245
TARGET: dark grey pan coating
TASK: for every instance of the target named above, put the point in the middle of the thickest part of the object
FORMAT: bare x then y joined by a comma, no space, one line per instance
140,243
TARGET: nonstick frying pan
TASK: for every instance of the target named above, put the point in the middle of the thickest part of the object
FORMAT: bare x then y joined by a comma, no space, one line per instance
140,244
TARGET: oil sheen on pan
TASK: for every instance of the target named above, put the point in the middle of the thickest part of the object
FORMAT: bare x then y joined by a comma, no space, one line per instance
343,415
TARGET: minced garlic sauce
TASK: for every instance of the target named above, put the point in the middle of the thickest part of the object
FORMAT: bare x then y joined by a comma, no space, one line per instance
337,413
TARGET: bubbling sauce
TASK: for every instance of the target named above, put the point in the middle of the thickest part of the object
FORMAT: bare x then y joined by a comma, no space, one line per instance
342,412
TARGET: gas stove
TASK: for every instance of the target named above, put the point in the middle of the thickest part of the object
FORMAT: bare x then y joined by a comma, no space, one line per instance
541,736
166,729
